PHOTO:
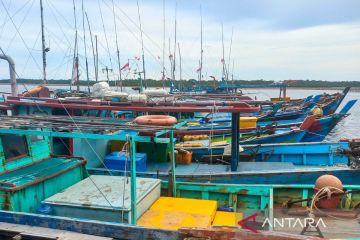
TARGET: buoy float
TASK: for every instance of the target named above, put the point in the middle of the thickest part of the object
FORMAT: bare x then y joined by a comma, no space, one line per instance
335,186
158,120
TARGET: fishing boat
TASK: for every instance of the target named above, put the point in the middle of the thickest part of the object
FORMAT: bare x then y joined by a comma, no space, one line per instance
62,196
78,107
316,132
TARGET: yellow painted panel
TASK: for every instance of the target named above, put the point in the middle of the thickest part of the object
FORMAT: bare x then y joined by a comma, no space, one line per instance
226,218
173,220
248,122
286,99
185,205
218,143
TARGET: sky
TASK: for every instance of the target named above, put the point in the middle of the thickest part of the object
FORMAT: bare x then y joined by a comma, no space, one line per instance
263,39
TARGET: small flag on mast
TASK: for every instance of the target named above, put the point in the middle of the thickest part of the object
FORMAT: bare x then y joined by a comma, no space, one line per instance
126,66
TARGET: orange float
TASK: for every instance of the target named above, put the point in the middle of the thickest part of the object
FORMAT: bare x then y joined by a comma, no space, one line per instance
335,186
158,120
33,91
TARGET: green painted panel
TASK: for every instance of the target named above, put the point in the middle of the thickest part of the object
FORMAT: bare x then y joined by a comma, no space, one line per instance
156,152
38,181
221,198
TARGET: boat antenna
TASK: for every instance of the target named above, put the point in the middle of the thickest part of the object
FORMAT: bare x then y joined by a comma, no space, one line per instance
163,57
201,45
117,47
76,54
92,45
86,60
142,44
44,49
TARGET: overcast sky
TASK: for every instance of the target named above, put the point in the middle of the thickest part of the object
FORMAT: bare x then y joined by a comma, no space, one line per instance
272,39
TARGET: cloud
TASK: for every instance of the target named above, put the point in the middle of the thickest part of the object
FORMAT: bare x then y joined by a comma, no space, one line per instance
272,39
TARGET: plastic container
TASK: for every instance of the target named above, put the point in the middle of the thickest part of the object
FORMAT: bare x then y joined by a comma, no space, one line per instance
117,160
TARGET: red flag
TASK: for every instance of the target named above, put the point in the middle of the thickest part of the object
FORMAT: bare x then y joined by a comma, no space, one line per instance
125,67
198,70
222,60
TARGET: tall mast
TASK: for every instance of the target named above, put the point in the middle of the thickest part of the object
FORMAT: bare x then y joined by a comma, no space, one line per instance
224,75
92,45
231,40
76,53
201,45
163,57
142,43
180,62
96,60
173,70
86,60
223,51
44,49
117,47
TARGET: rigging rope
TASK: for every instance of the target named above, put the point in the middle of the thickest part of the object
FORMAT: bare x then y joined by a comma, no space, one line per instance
24,42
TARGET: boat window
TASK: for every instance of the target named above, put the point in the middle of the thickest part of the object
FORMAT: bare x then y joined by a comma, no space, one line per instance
14,146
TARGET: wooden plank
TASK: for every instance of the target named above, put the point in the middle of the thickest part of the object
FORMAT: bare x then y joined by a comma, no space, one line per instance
8,229
97,228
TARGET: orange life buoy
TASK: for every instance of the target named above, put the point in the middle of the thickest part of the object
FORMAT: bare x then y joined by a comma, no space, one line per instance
158,120
33,91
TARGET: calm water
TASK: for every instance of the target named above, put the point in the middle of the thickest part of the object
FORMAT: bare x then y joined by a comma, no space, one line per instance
348,128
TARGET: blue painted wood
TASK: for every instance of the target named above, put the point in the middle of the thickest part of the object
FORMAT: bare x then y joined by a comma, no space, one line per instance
290,136
348,106
235,141
82,135
312,154
97,228
280,176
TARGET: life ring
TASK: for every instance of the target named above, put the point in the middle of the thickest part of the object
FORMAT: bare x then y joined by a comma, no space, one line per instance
33,91
158,120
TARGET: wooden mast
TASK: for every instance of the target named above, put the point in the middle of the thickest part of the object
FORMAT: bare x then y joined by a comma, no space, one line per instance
44,49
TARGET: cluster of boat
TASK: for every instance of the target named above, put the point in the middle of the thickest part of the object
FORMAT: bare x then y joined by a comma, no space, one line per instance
174,166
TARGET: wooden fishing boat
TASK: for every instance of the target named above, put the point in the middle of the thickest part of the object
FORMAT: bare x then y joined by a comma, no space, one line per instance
59,209
316,132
